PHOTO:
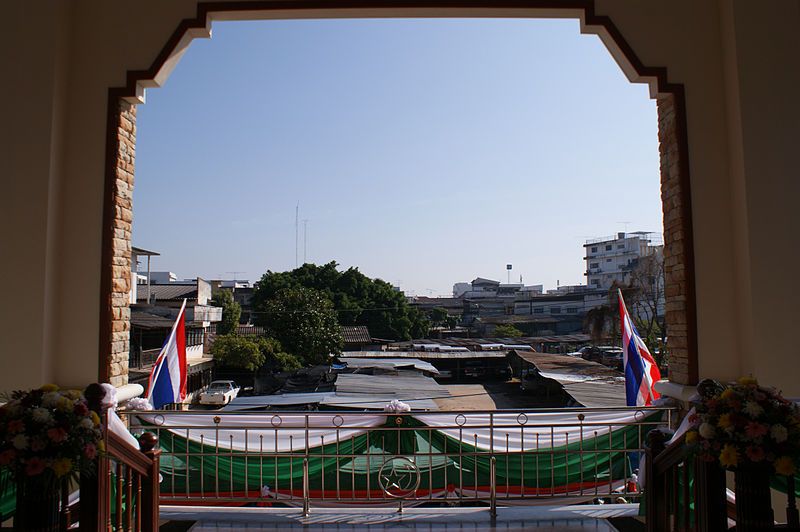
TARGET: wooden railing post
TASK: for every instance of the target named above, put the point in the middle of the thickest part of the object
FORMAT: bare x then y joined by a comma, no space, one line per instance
656,511
148,443
711,506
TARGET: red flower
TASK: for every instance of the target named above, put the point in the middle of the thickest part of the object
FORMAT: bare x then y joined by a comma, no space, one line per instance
81,409
755,430
755,454
57,434
16,425
34,467
90,451
7,456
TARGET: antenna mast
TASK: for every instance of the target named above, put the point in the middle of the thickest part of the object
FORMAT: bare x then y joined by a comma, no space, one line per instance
305,240
296,232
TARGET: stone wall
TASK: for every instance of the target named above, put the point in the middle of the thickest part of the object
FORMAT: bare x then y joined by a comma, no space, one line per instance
121,262
672,197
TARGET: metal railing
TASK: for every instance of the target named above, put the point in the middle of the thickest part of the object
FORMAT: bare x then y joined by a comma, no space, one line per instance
465,458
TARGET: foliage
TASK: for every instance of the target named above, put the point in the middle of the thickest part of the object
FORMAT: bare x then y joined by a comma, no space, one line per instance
744,424
48,435
253,353
238,352
506,330
231,311
357,299
644,295
304,322
438,316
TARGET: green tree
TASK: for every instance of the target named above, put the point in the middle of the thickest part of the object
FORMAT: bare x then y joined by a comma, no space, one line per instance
506,330
357,299
252,354
304,322
238,352
231,311
438,317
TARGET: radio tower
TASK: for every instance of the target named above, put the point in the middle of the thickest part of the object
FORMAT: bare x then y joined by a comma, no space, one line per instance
296,232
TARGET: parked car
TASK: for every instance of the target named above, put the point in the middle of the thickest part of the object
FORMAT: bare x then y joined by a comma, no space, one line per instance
612,358
219,393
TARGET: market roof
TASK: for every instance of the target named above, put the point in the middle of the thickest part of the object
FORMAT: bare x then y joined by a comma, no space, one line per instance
168,292
404,386
146,320
427,355
143,252
329,399
356,334
389,363
589,383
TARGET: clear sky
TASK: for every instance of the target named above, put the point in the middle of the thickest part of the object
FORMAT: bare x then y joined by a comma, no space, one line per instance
425,152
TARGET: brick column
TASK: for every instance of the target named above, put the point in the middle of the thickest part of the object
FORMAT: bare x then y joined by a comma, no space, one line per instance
675,259
121,245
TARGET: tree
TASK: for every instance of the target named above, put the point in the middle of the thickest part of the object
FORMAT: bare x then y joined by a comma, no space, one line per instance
238,352
506,330
251,354
231,311
304,322
357,299
645,298
438,316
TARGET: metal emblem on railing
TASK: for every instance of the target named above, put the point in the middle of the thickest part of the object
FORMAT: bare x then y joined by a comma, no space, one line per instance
399,477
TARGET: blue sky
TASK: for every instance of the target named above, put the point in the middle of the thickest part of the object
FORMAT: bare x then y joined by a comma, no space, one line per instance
425,152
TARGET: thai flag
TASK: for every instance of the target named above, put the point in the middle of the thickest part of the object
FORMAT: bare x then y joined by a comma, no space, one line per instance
168,379
641,370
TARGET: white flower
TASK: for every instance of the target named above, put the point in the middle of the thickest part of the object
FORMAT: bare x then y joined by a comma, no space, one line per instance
20,441
706,430
51,399
753,409
87,423
779,433
41,415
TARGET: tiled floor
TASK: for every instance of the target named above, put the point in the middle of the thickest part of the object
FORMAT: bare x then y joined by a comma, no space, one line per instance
566,518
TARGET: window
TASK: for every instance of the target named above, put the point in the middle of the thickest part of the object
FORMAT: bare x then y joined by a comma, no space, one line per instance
194,337
594,249
555,310
539,310
608,247
620,246
608,260
594,264
572,310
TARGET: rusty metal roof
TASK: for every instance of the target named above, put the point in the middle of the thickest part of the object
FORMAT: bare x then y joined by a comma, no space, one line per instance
356,334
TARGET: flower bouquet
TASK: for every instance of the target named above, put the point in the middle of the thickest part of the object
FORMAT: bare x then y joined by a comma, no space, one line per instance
47,437
744,424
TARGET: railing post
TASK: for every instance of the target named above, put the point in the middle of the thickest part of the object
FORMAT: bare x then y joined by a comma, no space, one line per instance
493,487
656,511
94,489
711,510
150,488
792,518
306,505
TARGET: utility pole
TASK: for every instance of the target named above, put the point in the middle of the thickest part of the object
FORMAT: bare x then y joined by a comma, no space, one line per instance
296,232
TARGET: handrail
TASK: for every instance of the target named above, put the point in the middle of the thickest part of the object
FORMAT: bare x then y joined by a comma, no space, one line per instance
128,454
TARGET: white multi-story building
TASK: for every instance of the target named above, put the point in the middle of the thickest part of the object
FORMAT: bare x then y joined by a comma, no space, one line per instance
613,258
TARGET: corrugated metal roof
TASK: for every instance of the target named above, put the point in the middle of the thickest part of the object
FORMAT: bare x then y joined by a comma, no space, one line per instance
145,320
356,334
427,355
390,363
405,385
329,399
167,292
374,402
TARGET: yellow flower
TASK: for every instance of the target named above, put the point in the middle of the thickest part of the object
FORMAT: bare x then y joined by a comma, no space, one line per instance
49,388
724,421
73,394
748,380
64,404
727,393
62,466
691,436
729,457
95,417
784,466
101,445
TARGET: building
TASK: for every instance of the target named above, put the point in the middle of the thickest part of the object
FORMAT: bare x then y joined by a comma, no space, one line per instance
611,259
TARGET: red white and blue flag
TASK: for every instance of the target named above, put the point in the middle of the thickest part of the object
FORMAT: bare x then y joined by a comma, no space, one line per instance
641,370
168,379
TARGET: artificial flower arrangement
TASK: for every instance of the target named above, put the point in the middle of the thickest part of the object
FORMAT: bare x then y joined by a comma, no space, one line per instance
48,435
743,424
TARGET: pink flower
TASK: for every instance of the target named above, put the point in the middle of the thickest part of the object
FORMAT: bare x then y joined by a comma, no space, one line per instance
37,444
90,451
755,454
755,430
57,434
693,418
7,456
34,467
16,425
81,409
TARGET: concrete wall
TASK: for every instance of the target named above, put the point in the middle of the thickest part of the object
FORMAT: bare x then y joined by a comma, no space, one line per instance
737,58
